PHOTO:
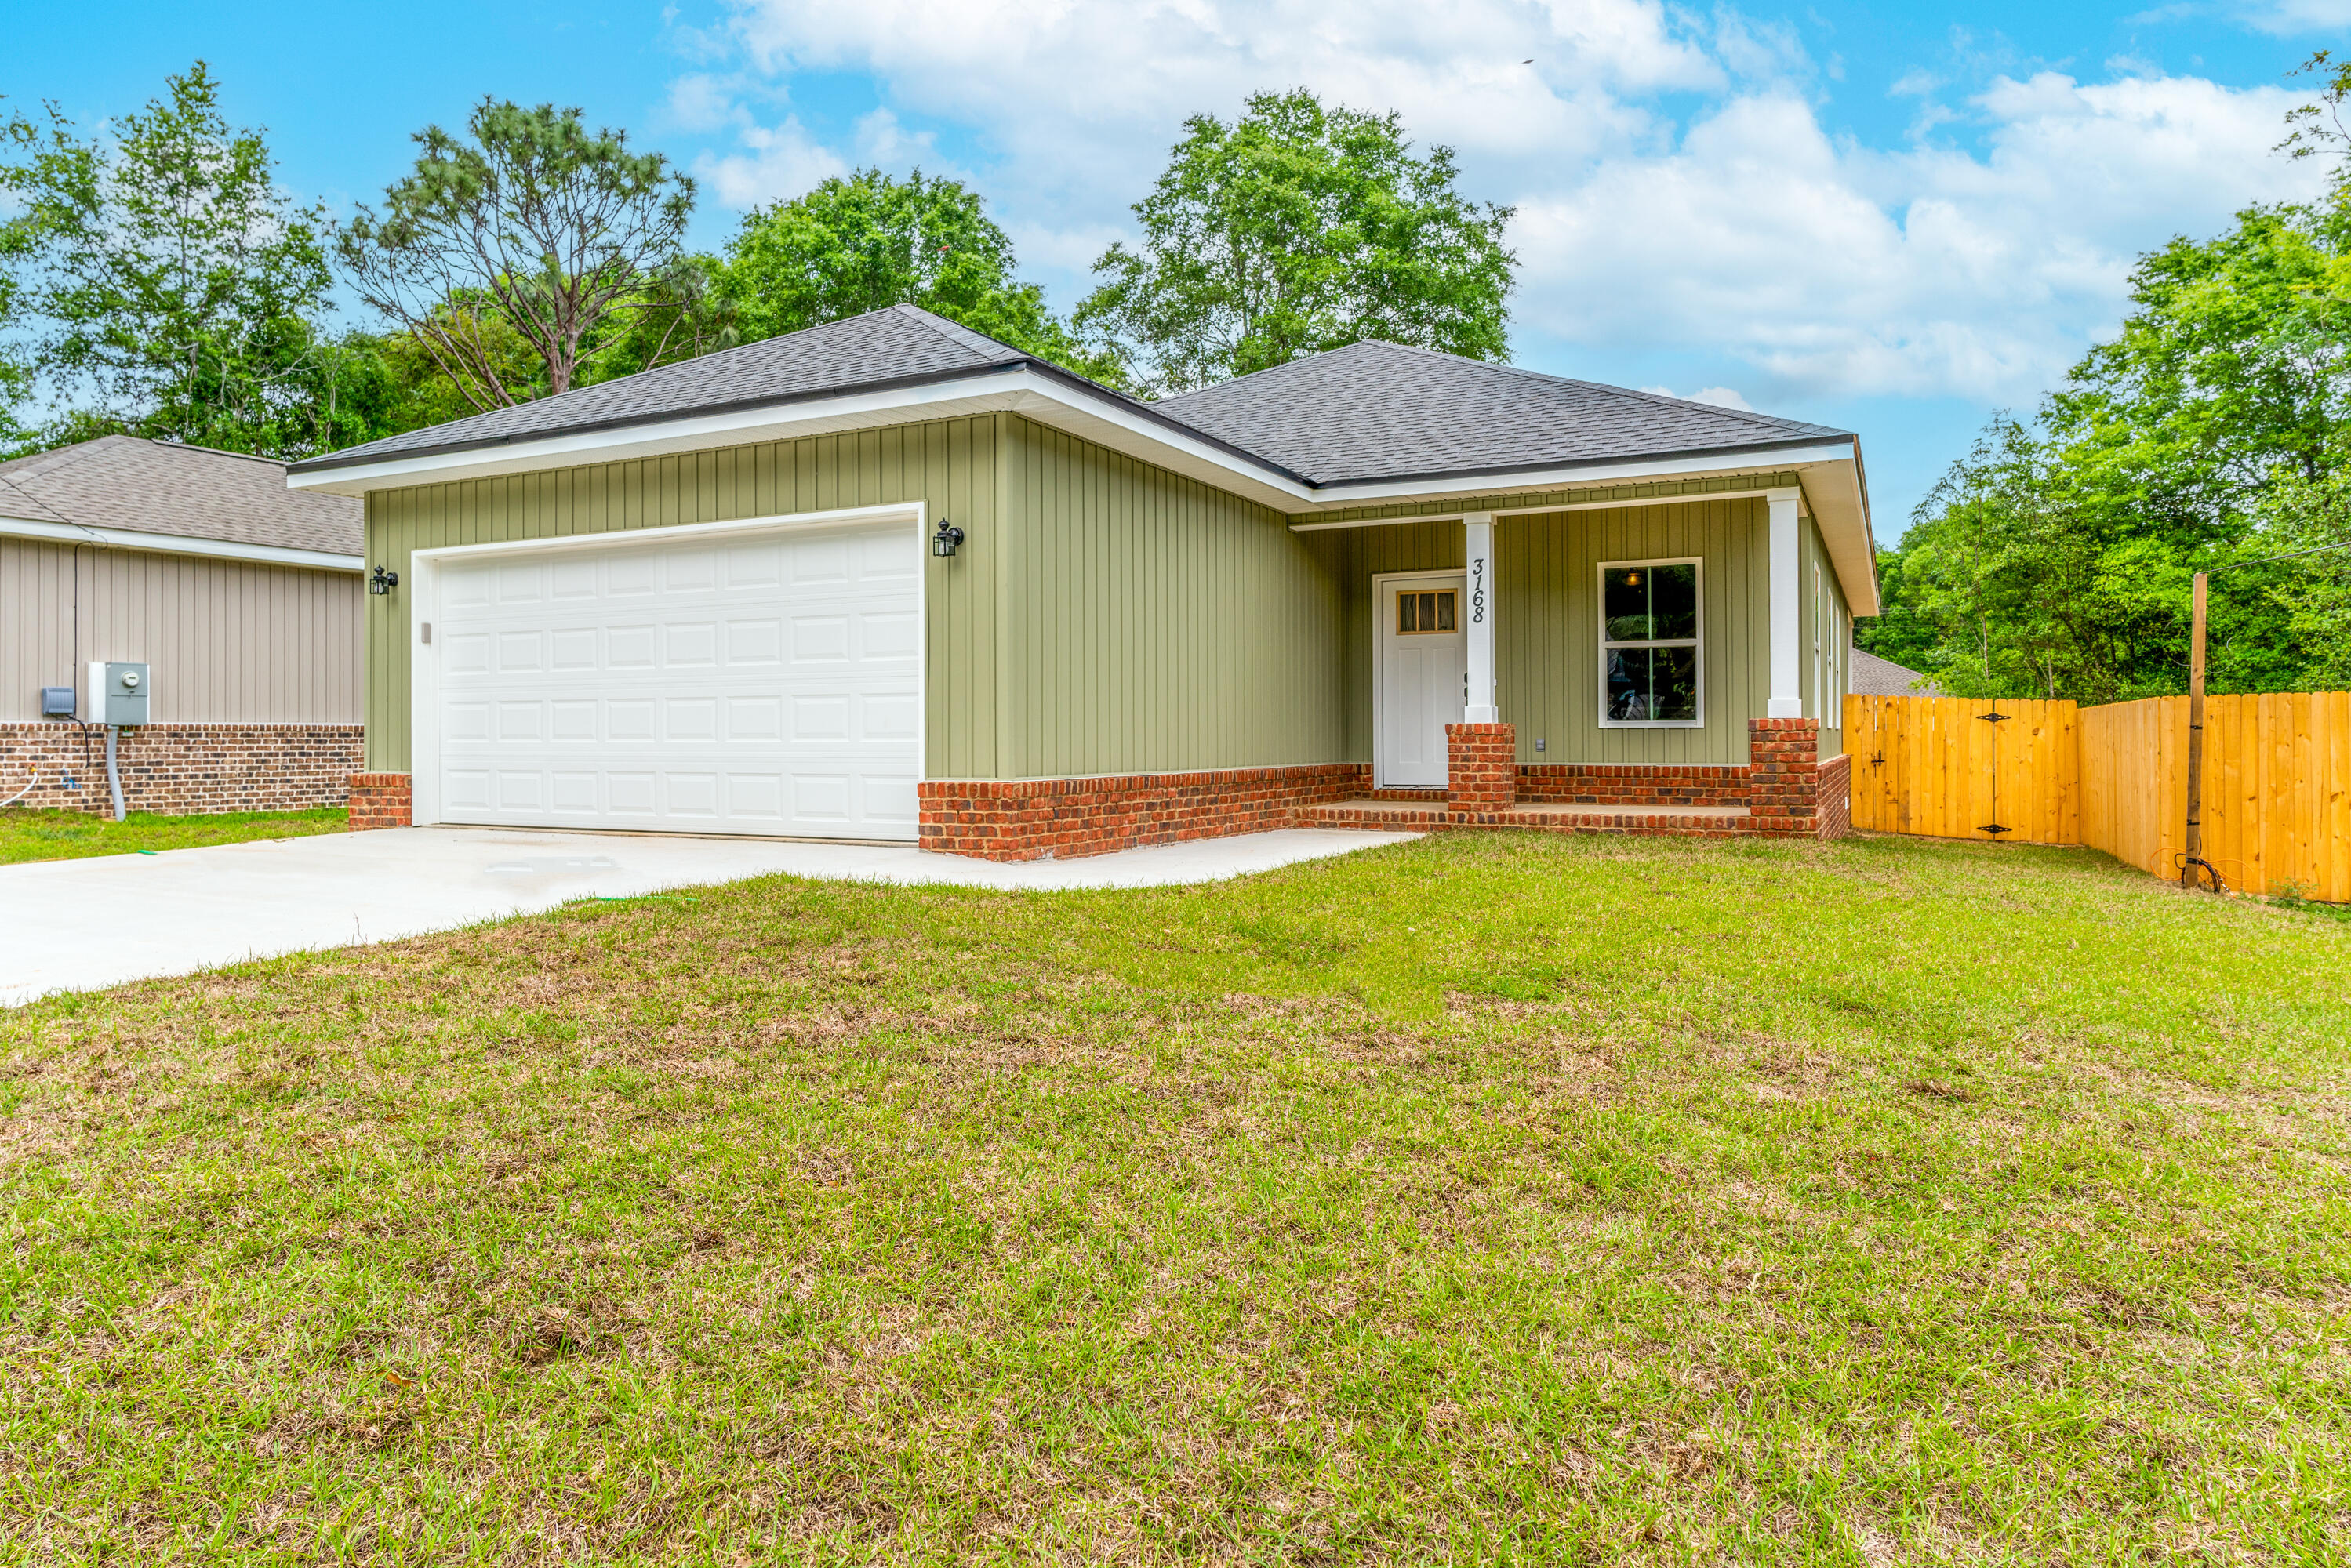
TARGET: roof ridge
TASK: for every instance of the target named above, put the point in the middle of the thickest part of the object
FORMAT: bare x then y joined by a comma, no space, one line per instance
954,331
1285,365
169,445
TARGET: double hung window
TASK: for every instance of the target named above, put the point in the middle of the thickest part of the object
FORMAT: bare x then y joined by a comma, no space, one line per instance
1650,644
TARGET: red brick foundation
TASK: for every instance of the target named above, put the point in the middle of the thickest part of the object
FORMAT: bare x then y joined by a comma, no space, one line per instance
1643,784
1481,767
380,801
1785,774
1035,819
1836,797
182,769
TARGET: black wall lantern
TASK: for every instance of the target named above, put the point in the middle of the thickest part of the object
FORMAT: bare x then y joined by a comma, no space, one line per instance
383,581
944,541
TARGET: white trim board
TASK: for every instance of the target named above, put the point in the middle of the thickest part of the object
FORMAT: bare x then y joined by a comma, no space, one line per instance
421,584
176,544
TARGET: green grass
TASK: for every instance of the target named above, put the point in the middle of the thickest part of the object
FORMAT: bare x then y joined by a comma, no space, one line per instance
1488,1198
27,835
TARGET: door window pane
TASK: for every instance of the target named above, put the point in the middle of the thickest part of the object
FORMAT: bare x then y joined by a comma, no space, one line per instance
1423,612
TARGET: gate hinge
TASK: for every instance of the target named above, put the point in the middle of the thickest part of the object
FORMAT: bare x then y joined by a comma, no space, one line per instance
1994,828
1994,718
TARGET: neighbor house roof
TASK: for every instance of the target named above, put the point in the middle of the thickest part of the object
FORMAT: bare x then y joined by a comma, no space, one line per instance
1871,677
126,485
1383,410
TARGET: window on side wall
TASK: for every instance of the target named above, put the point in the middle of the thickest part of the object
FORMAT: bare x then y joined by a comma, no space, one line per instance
1650,644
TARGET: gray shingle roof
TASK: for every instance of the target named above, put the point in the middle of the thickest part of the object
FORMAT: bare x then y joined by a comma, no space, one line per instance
1871,677
1370,411
900,345
1382,411
143,487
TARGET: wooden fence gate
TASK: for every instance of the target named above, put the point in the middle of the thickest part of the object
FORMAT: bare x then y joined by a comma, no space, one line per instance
1953,767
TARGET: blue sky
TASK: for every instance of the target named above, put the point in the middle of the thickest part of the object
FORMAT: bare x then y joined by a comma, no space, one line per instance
1894,218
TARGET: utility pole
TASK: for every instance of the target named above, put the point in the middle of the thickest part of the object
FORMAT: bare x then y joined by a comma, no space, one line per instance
2192,863
2194,855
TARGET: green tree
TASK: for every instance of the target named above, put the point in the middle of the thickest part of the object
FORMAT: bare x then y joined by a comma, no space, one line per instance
1294,230
531,228
2212,429
169,286
872,241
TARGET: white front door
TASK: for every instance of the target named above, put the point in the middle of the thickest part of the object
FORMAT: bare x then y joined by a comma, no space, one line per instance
752,680
1422,668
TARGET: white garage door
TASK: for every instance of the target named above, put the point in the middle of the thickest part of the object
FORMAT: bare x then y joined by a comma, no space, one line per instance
768,682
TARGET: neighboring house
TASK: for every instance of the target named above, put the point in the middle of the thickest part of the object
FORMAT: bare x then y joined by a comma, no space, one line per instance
1876,677
241,596
890,579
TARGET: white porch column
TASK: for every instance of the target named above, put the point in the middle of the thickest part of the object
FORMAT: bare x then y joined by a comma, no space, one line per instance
1479,705
1787,651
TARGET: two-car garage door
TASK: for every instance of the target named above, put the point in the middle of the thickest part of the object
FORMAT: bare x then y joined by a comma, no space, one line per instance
761,680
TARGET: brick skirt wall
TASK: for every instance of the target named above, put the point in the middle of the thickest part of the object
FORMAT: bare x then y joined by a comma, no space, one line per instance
1836,797
1633,784
181,769
382,800
1036,818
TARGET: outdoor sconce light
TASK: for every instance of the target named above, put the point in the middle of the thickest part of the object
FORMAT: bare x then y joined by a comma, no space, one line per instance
383,581
944,541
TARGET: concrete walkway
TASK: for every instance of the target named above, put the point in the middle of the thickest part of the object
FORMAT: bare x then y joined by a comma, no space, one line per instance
76,925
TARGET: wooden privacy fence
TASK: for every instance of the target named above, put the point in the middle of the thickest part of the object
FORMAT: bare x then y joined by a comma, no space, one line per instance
2277,780
1952,769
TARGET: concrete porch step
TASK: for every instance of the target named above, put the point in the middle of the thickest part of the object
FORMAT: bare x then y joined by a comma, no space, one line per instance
1371,811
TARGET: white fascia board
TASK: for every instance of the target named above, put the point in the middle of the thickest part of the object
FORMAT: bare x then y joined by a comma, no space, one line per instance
176,544
1712,464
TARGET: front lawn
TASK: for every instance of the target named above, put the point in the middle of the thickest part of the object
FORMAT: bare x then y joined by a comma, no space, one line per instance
65,835
1484,1198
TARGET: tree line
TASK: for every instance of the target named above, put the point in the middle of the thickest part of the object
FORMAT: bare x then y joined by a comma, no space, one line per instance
156,279
2212,434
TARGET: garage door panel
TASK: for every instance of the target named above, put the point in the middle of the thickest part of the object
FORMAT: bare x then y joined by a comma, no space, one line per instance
765,685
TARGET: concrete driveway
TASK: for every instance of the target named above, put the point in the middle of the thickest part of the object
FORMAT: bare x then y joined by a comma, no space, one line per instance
76,925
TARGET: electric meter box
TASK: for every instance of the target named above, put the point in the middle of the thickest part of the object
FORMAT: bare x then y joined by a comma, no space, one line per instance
116,695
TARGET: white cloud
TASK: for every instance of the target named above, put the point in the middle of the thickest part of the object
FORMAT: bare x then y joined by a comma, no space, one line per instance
775,165
1974,260
2286,17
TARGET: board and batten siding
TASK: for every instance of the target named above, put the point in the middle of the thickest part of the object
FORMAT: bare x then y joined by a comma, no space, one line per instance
1824,626
952,466
1162,625
229,642
1547,621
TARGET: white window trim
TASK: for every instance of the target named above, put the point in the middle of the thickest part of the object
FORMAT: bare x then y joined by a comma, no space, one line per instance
1600,617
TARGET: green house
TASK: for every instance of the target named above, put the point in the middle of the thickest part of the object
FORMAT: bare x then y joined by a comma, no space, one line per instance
887,578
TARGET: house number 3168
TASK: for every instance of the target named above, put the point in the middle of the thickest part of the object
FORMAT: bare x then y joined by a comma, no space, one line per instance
1477,591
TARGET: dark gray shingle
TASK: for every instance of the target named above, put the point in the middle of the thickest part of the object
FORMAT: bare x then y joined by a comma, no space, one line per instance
1370,411
900,344
1381,411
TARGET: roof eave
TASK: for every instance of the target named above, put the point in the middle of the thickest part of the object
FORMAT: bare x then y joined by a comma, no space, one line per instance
179,544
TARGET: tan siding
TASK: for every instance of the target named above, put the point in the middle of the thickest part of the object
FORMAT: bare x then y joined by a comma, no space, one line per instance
948,464
231,641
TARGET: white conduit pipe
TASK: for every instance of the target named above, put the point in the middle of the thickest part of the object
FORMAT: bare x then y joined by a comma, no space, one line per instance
113,780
